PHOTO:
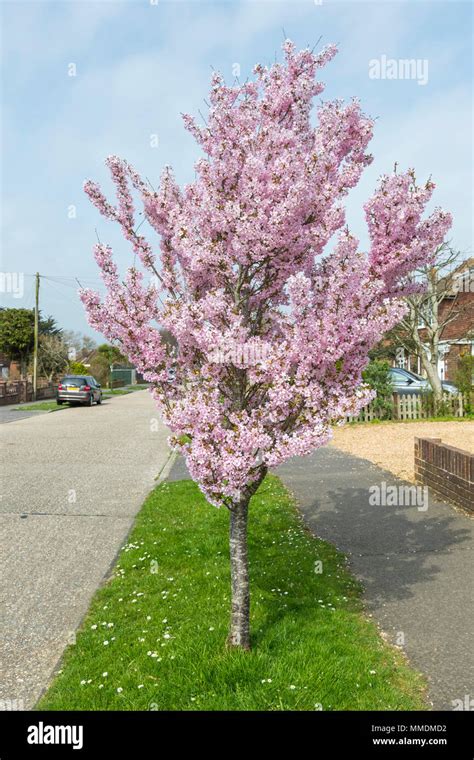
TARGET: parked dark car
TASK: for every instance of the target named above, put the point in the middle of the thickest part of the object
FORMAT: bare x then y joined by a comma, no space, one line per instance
79,389
404,382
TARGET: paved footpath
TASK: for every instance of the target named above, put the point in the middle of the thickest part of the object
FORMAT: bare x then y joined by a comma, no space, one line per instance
416,566
72,483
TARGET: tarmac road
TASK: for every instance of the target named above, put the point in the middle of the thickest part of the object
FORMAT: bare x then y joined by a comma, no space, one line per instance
72,483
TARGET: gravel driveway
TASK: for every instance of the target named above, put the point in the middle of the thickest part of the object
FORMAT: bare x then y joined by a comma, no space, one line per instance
390,445
72,484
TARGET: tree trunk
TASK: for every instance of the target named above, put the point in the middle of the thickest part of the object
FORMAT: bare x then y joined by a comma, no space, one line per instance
433,379
239,635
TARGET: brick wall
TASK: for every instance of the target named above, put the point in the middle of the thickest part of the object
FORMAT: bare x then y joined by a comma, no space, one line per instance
446,470
462,308
22,390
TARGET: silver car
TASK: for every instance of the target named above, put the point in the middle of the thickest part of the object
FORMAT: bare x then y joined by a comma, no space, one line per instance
79,389
404,381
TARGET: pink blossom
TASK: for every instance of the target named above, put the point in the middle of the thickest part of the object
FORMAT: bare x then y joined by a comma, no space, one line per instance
272,337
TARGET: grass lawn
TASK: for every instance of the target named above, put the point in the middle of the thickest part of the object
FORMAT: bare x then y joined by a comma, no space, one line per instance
124,390
42,406
154,637
52,406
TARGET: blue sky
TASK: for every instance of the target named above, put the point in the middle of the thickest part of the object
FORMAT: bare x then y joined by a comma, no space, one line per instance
139,64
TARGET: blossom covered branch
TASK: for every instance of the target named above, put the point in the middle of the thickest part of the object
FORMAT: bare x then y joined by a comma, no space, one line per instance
272,336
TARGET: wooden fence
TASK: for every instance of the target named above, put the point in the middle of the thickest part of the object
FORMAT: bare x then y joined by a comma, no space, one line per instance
414,406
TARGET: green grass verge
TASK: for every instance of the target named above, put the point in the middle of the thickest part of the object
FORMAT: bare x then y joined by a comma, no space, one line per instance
52,406
124,390
42,406
164,614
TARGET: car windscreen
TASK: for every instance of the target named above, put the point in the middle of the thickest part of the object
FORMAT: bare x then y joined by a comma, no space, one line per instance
403,374
76,381
412,374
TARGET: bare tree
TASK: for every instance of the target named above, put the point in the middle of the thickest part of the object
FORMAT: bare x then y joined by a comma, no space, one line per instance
84,344
52,356
430,312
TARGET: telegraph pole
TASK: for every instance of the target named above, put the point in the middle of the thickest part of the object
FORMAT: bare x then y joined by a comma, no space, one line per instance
35,349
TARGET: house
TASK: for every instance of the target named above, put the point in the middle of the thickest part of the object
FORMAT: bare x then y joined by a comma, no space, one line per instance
456,313
457,337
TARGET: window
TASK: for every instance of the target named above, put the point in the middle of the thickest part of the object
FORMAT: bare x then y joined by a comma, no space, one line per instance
464,281
400,357
400,377
74,381
425,316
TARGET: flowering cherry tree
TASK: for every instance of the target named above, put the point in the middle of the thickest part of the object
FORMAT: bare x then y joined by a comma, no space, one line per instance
271,335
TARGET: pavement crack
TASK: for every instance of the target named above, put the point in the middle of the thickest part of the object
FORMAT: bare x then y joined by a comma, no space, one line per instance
23,515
